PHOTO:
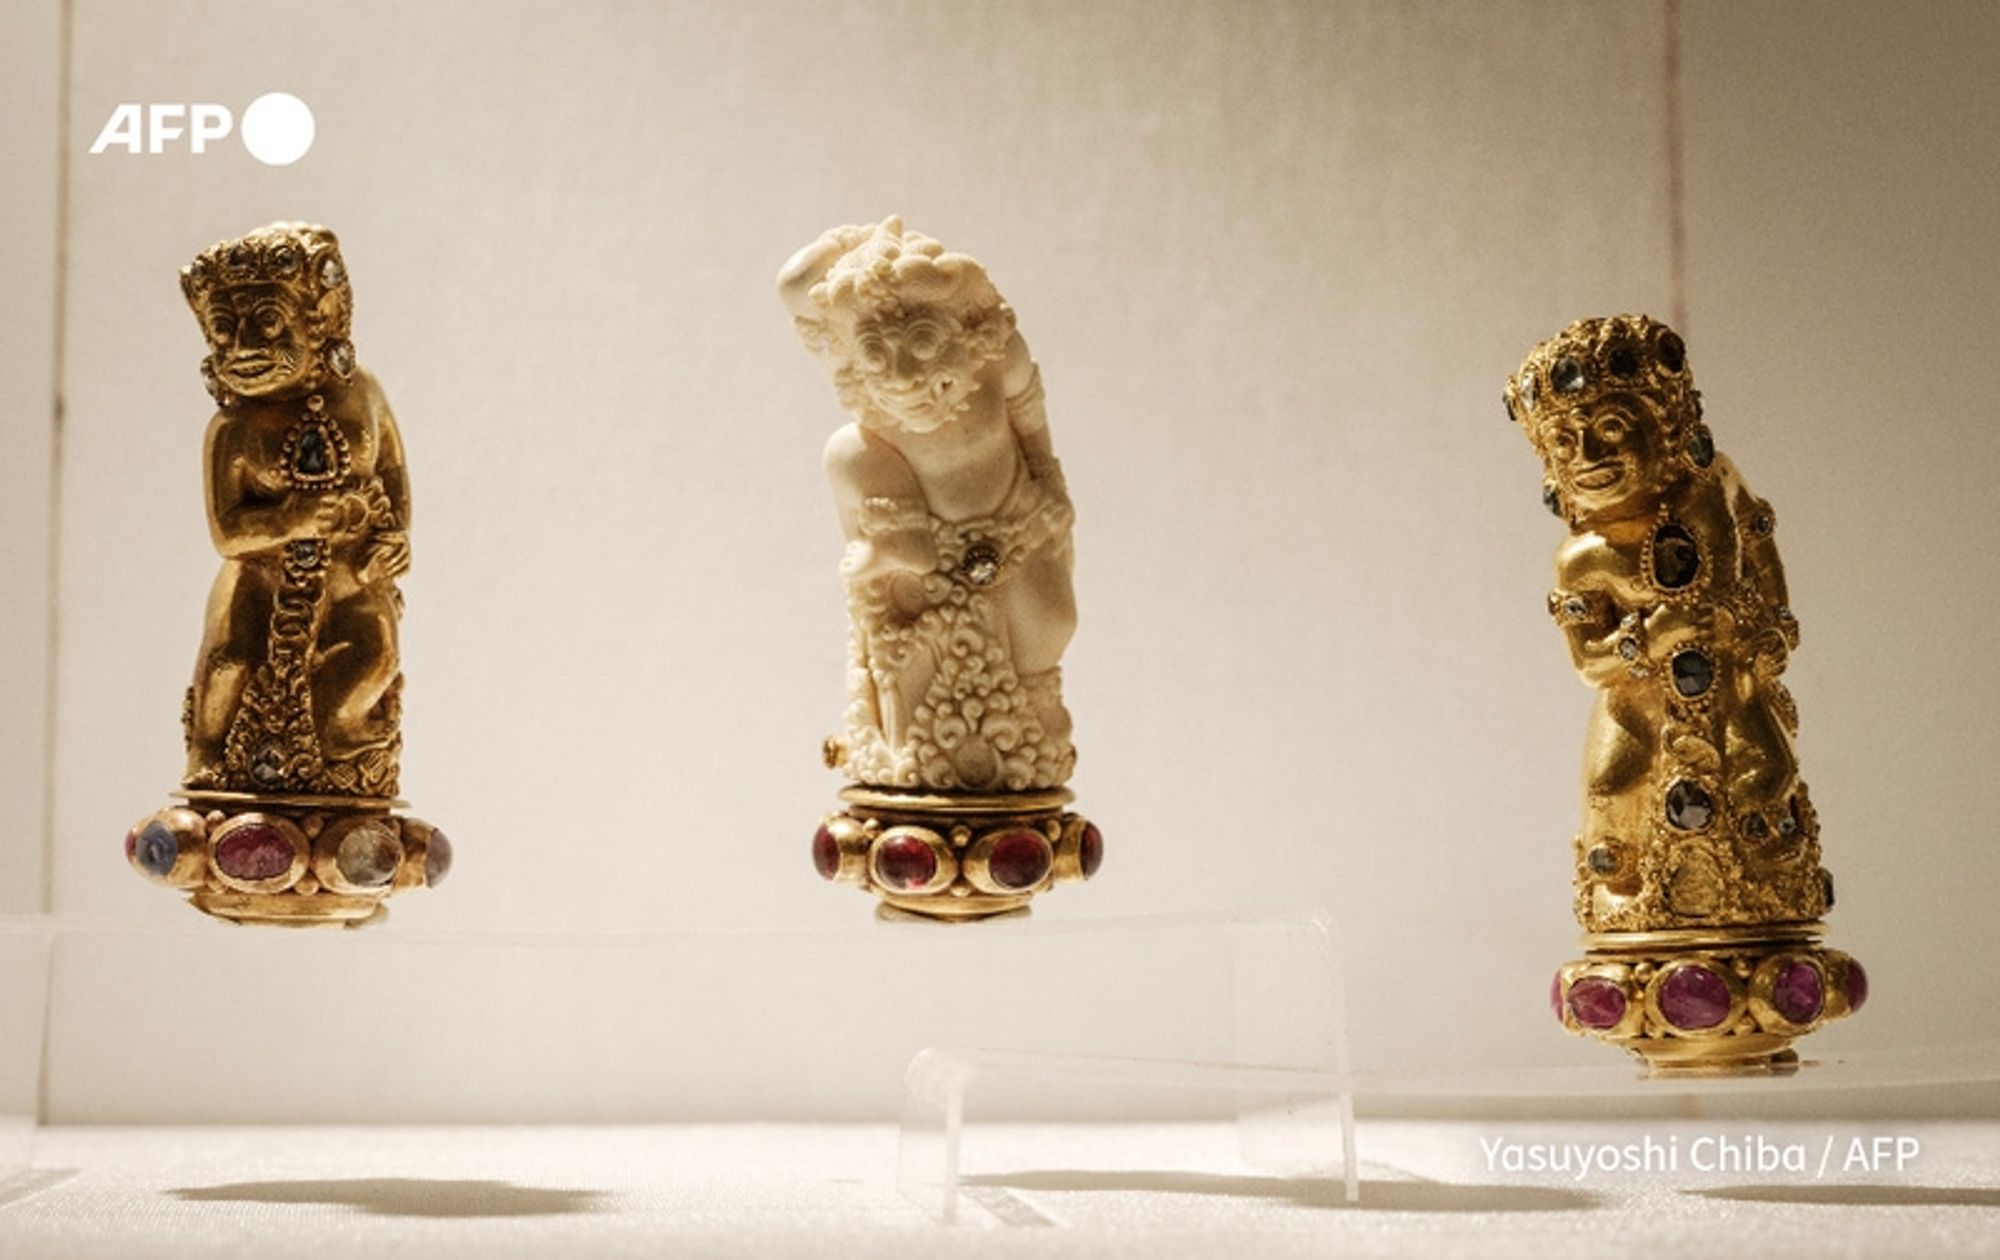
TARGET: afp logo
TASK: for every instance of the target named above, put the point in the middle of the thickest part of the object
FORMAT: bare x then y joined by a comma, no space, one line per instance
277,128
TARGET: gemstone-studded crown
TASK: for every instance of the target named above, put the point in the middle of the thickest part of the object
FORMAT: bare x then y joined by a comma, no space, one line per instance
303,259
1624,357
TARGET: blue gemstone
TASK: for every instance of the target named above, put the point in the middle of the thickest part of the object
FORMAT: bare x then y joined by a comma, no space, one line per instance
158,849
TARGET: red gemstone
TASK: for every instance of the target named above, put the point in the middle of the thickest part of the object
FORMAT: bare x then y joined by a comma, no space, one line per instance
826,854
905,862
1020,859
1694,997
1596,1002
131,845
1090,850
1798,992
1857,984
254,852
1556,995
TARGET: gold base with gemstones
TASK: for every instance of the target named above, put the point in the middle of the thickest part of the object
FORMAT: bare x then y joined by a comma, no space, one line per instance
288,861
955,856
1708,1002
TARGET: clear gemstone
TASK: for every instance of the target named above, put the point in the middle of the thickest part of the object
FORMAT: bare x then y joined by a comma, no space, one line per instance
437,858
1567,375
1689,806
369,855
981,565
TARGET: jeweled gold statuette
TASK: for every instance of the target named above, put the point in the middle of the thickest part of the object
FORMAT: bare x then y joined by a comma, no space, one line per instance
293,721
957,569
1698,877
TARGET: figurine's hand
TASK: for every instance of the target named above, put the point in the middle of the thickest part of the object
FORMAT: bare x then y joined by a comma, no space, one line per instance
388,558
886,555
341,515
1670,627
1772,654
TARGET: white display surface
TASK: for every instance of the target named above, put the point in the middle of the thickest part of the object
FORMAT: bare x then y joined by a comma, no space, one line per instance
1275,261
1141,1191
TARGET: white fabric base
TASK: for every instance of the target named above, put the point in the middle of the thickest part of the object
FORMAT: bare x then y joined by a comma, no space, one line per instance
1098,1191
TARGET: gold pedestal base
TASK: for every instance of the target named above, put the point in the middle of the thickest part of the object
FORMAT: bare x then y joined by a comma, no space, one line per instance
955,857
288,861
1708,1002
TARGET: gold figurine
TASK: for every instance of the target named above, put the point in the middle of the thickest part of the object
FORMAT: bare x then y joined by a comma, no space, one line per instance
1698,877
957,568
293,721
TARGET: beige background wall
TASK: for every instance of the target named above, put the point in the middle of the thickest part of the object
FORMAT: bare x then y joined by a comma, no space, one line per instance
30,101
1275,261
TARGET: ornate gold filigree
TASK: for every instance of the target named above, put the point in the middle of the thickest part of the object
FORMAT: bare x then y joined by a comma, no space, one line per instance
297,695
1671,594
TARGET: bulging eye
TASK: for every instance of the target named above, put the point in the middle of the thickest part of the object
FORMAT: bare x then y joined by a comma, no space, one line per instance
270,321
872,353
1612,429
1564,445
924,342
222,330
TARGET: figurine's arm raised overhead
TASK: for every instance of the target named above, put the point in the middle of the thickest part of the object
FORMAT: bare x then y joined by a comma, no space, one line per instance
809,266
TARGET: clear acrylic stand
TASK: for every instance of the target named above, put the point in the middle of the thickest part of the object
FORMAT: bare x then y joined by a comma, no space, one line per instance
24,1004
192,1022
1286,1074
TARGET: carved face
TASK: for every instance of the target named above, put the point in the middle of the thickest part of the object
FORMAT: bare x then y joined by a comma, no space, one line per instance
916,370
259,340
1605,461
